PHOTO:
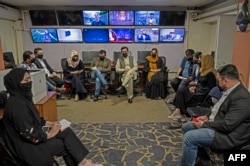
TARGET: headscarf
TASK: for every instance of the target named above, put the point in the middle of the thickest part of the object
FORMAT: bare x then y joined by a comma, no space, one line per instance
12,82
207,65
72,63
152,63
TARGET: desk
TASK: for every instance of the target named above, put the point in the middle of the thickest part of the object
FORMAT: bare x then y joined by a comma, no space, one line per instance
46,107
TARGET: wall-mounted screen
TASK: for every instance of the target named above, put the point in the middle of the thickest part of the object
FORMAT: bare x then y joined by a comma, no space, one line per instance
120,35
69,17
43,17
70,35
121,17
146,35
172,18
172,35
147,17
44,35
96,35
95,18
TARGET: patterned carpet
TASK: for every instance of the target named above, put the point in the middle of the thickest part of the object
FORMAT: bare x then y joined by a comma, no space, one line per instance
138,144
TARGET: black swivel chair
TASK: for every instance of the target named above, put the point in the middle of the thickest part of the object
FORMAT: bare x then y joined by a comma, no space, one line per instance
9,58
141,55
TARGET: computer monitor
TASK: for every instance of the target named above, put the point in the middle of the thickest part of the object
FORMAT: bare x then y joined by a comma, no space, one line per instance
172,18
121,35
121,17
69,17
146,35
172,35
70,35
43,17
96,35
147,17
44,35
95,18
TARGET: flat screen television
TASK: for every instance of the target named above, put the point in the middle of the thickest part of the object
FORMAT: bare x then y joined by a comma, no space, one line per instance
172,35
69,17
96,18
43,17
121,35
95,35
44,35
146,35
69,35
172,18
147,17
121,17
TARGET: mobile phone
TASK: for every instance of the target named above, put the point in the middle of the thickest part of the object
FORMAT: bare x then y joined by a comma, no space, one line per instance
46,129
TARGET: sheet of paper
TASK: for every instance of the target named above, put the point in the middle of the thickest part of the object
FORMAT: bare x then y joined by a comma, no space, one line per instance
65,124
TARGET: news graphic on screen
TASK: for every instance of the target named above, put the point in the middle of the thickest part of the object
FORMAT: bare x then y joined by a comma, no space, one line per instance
69,17
147,17
119,35
70,35
96,35
95,18
174,35
121,17
146,35
44,35
43,17
172,18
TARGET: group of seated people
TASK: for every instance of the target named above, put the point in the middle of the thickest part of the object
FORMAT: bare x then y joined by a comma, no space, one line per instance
126,66
224,125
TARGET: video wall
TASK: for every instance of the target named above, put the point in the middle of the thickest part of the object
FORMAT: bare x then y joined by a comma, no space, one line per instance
129,26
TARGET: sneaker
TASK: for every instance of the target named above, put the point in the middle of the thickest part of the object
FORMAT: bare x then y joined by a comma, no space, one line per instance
120,89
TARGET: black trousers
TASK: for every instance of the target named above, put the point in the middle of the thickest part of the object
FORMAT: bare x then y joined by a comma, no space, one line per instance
57,82
68,145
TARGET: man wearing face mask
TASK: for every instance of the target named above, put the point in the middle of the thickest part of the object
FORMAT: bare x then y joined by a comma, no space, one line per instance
100,66
184,70
42,63
28,64
127,66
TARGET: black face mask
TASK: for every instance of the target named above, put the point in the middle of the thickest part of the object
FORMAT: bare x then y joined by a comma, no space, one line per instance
40,56
101,58
153,55
26,87
75,59
195,62
189,59
32,61
125,54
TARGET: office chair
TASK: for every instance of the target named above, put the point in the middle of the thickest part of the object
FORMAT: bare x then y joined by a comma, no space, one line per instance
9,58
67,83
141,55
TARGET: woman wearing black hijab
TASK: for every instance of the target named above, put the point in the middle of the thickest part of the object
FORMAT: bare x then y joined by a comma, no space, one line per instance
23,128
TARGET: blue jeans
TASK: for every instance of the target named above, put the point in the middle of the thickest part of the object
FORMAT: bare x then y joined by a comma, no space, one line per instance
194,142
99,79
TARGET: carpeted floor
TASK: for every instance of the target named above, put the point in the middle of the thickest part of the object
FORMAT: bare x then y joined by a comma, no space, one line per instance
121,134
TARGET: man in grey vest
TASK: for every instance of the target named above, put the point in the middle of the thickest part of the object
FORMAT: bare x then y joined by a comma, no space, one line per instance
127,66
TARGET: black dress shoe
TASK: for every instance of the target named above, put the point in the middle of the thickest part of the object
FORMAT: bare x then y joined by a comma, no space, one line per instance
130,100
95,98
106,87
120,89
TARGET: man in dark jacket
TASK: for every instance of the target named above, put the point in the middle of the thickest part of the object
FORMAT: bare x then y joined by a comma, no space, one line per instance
227,126
42,63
